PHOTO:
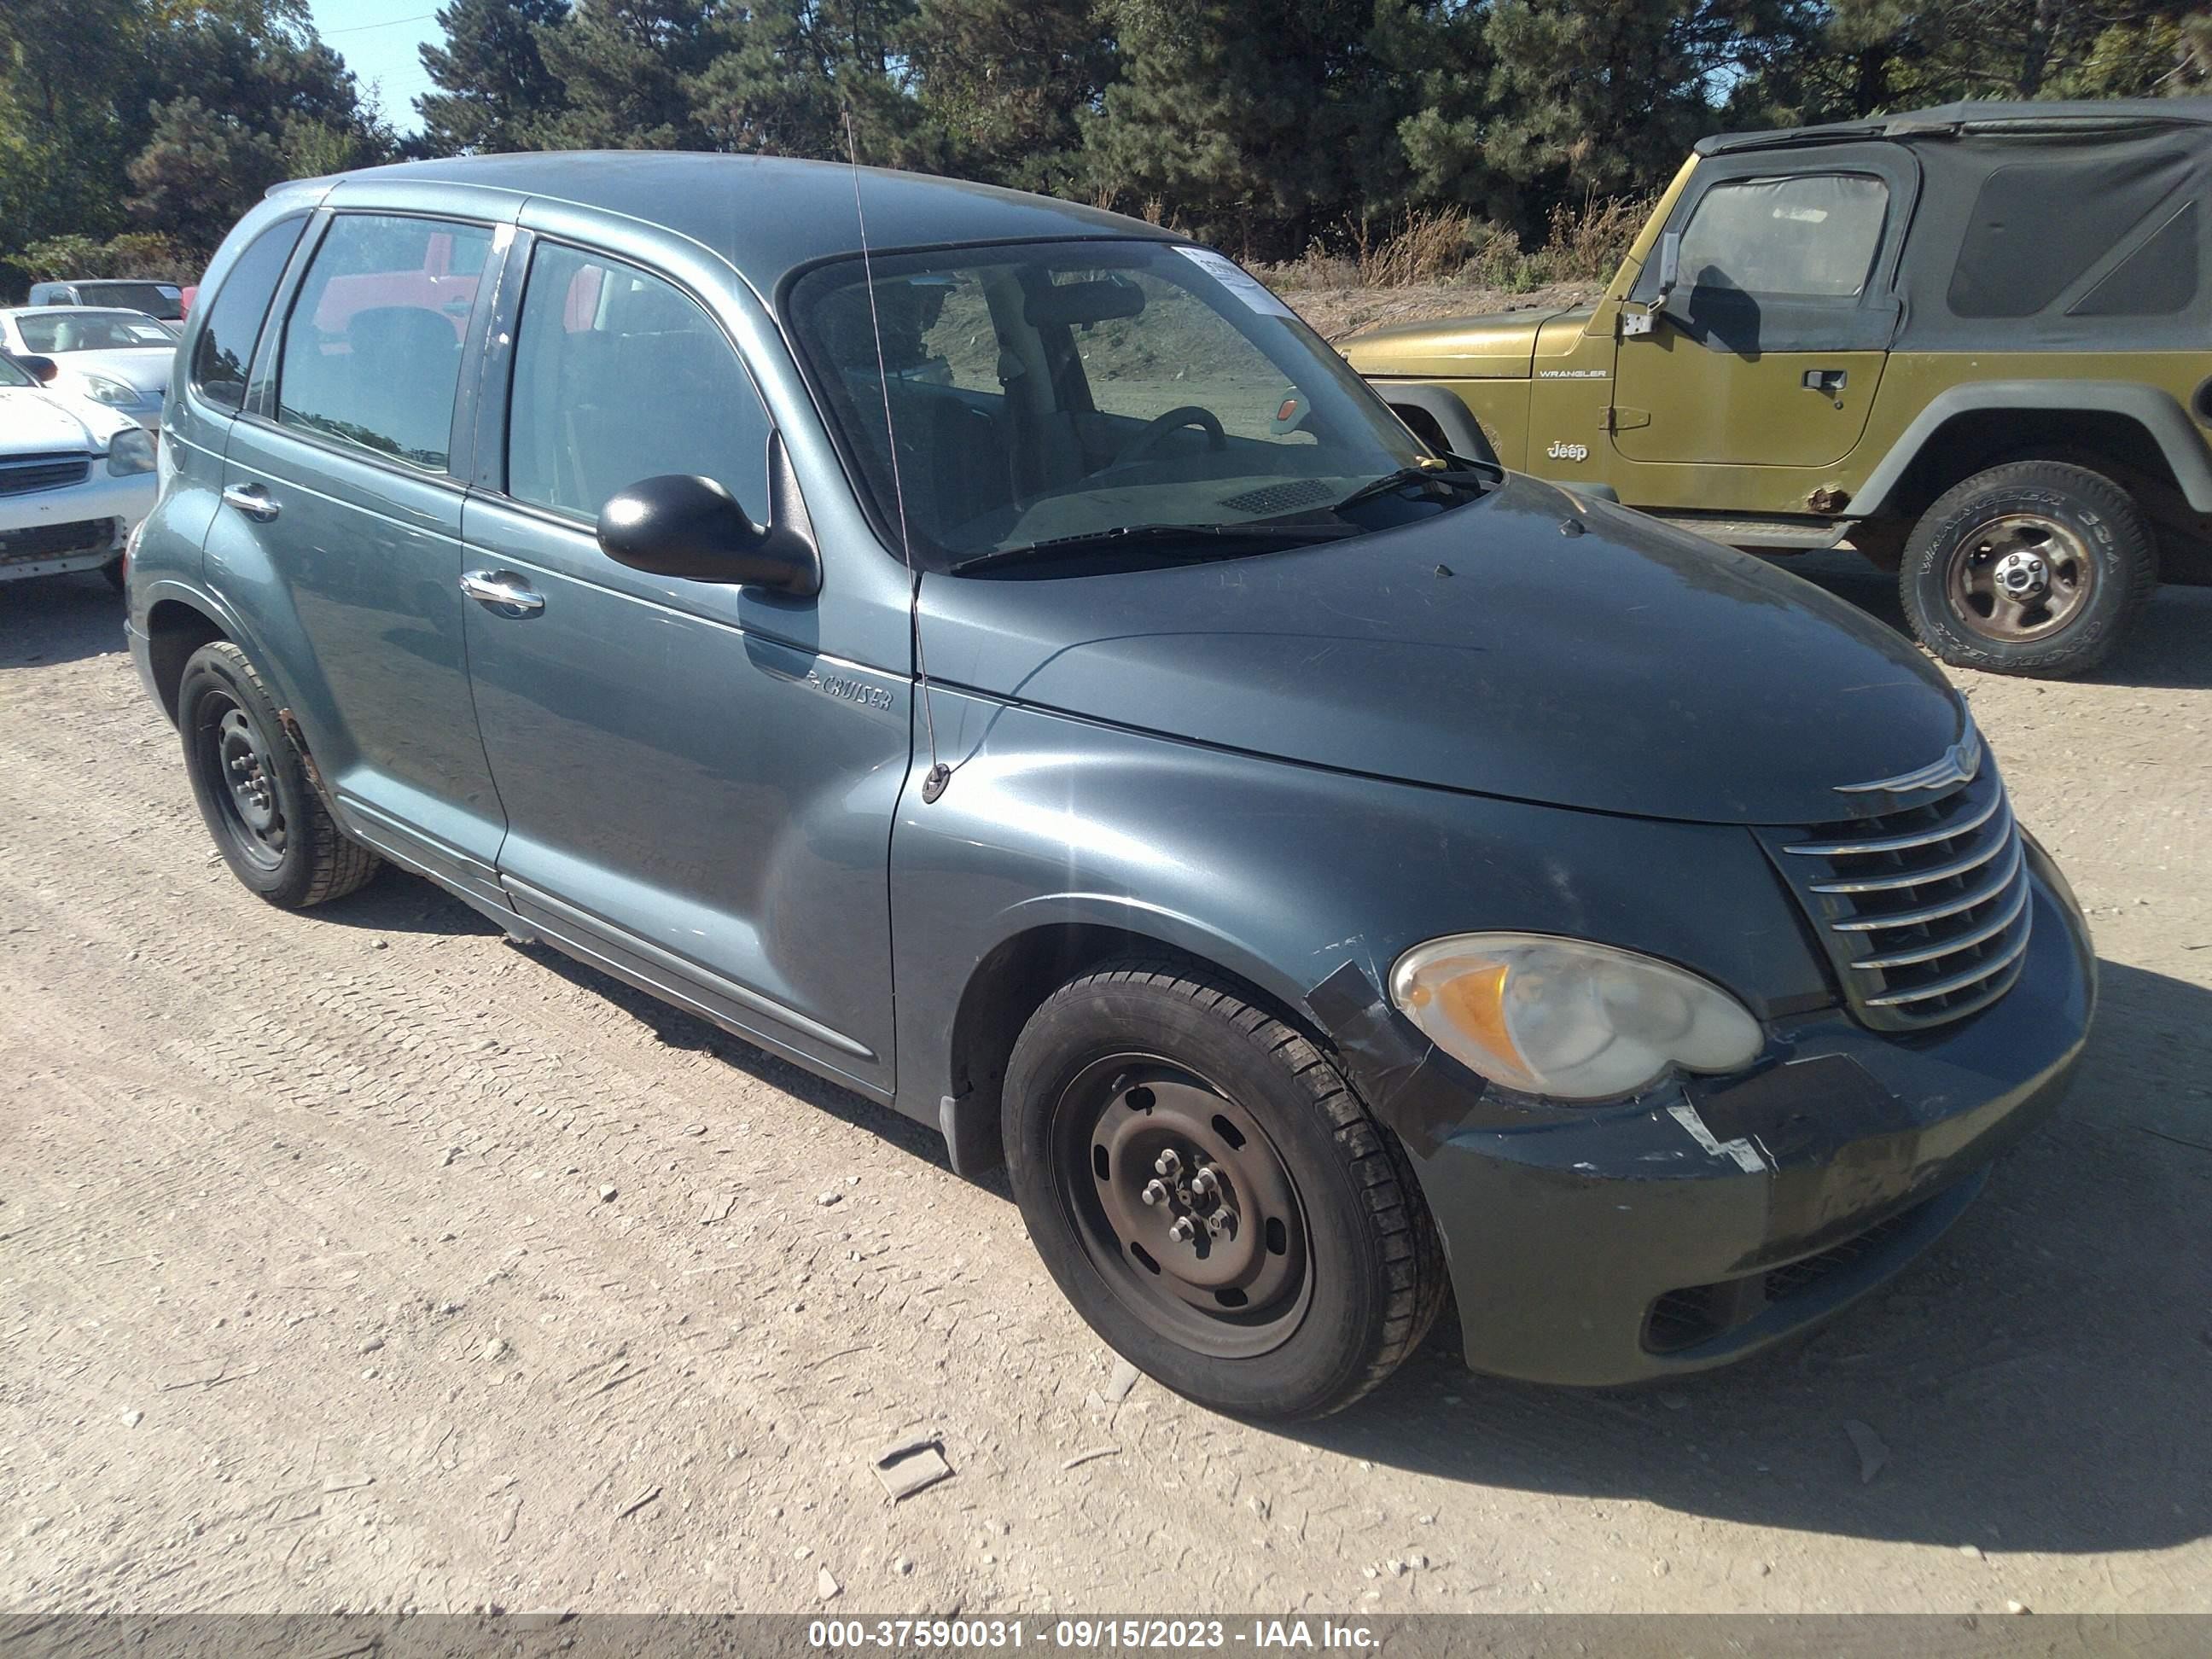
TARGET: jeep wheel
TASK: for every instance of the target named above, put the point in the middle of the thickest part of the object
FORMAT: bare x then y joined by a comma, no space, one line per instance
268,823
2035,568
1212,1197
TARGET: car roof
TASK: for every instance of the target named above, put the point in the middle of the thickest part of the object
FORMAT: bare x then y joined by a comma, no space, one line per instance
768,215
1992,117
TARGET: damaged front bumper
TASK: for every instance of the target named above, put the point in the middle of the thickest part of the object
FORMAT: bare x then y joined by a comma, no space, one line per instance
1709,1220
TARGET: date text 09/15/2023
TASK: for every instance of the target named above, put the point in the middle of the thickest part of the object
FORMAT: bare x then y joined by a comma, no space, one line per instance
1084,1635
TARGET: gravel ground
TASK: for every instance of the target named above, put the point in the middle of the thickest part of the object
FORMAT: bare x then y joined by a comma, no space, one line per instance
360,1259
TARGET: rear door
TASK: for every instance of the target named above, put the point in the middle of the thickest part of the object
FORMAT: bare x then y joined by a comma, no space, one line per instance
699,789
1771,347
340,531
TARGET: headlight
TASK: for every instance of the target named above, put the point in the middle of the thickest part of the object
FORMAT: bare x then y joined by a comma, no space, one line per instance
1567,1018
101,390
131,451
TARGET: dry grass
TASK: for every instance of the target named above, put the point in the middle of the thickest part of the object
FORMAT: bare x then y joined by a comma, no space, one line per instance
1437,246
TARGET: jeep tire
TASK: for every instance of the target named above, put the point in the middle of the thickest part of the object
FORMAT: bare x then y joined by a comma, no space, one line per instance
1209,1193
268,823
2034,567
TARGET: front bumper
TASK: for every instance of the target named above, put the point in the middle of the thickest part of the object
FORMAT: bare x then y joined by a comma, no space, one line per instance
1700,1223
49,532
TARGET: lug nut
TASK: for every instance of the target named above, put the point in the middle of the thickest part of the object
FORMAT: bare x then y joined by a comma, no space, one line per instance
1168,1163
1204,1181
1222,1224
1182,1232
1155,1193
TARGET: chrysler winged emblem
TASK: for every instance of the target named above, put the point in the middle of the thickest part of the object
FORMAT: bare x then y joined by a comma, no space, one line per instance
1958,764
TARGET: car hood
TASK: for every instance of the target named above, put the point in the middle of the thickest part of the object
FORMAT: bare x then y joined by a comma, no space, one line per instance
1499,347
148,371
43,420
1630,668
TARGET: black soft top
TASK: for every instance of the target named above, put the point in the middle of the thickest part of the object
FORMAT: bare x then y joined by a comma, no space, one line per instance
1996,120
2080,226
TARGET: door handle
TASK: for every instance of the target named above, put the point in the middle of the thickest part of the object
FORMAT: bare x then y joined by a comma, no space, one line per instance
503,592
253,499
1826,381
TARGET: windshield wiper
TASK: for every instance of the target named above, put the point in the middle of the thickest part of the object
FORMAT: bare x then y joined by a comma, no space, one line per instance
1137,535
1457,477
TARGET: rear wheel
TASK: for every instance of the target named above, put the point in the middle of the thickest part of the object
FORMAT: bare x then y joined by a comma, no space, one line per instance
268,823
2035,567
1210,1195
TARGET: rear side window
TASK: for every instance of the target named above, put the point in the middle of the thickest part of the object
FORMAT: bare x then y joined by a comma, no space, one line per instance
234,321
620,376
372,353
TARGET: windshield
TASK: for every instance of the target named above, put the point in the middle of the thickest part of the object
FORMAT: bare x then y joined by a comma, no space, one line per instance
1053,391
162,300
92,331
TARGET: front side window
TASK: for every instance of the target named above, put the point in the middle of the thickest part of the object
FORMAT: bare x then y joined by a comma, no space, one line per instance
995,399
620,376
1812,237
224,350
372,353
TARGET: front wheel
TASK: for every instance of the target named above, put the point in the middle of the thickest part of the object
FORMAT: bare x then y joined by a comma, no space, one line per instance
268,823
2035,567
1208,1192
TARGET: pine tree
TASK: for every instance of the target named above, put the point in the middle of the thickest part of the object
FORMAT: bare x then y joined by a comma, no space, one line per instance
626,68
1005,81
1603,97
203,168
495,91
1257,124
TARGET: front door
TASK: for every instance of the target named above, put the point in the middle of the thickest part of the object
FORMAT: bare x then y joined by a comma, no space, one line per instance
340,526
1770,350
699,793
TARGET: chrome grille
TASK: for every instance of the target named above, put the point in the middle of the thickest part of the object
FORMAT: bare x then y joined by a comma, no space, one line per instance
1923,912
21,474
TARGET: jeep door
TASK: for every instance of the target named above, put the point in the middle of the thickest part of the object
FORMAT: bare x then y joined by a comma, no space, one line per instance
1768,353
699,789
339,533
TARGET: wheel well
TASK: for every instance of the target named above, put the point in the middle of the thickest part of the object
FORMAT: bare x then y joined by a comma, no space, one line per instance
1424,426
1012,981
2119,446
173,631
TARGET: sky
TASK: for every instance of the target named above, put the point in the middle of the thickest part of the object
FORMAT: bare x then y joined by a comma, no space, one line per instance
378,39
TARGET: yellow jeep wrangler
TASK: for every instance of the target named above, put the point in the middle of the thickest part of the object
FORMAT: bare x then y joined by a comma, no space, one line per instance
1973,343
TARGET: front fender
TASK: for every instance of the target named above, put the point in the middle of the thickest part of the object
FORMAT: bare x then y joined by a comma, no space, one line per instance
1285,876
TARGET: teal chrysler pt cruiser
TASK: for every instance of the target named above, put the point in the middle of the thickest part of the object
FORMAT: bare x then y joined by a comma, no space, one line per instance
992,652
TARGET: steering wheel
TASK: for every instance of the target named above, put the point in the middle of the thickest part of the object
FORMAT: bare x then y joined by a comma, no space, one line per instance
1174,421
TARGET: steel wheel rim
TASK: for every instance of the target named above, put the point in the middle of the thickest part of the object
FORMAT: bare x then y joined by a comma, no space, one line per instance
1219,1257
243,780
2019,576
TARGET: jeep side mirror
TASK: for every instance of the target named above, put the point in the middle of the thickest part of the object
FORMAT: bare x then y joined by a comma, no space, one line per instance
680,524
1670,268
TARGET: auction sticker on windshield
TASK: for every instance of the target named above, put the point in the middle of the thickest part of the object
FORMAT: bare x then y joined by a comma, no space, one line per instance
1227,273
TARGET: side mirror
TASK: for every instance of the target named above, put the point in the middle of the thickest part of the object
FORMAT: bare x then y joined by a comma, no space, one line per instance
680,524
1670,268
41,369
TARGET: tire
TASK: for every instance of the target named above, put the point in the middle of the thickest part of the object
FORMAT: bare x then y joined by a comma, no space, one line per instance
268,823
2073,538
1326,1272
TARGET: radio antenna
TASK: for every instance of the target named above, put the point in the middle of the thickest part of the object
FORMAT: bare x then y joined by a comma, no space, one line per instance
939,774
